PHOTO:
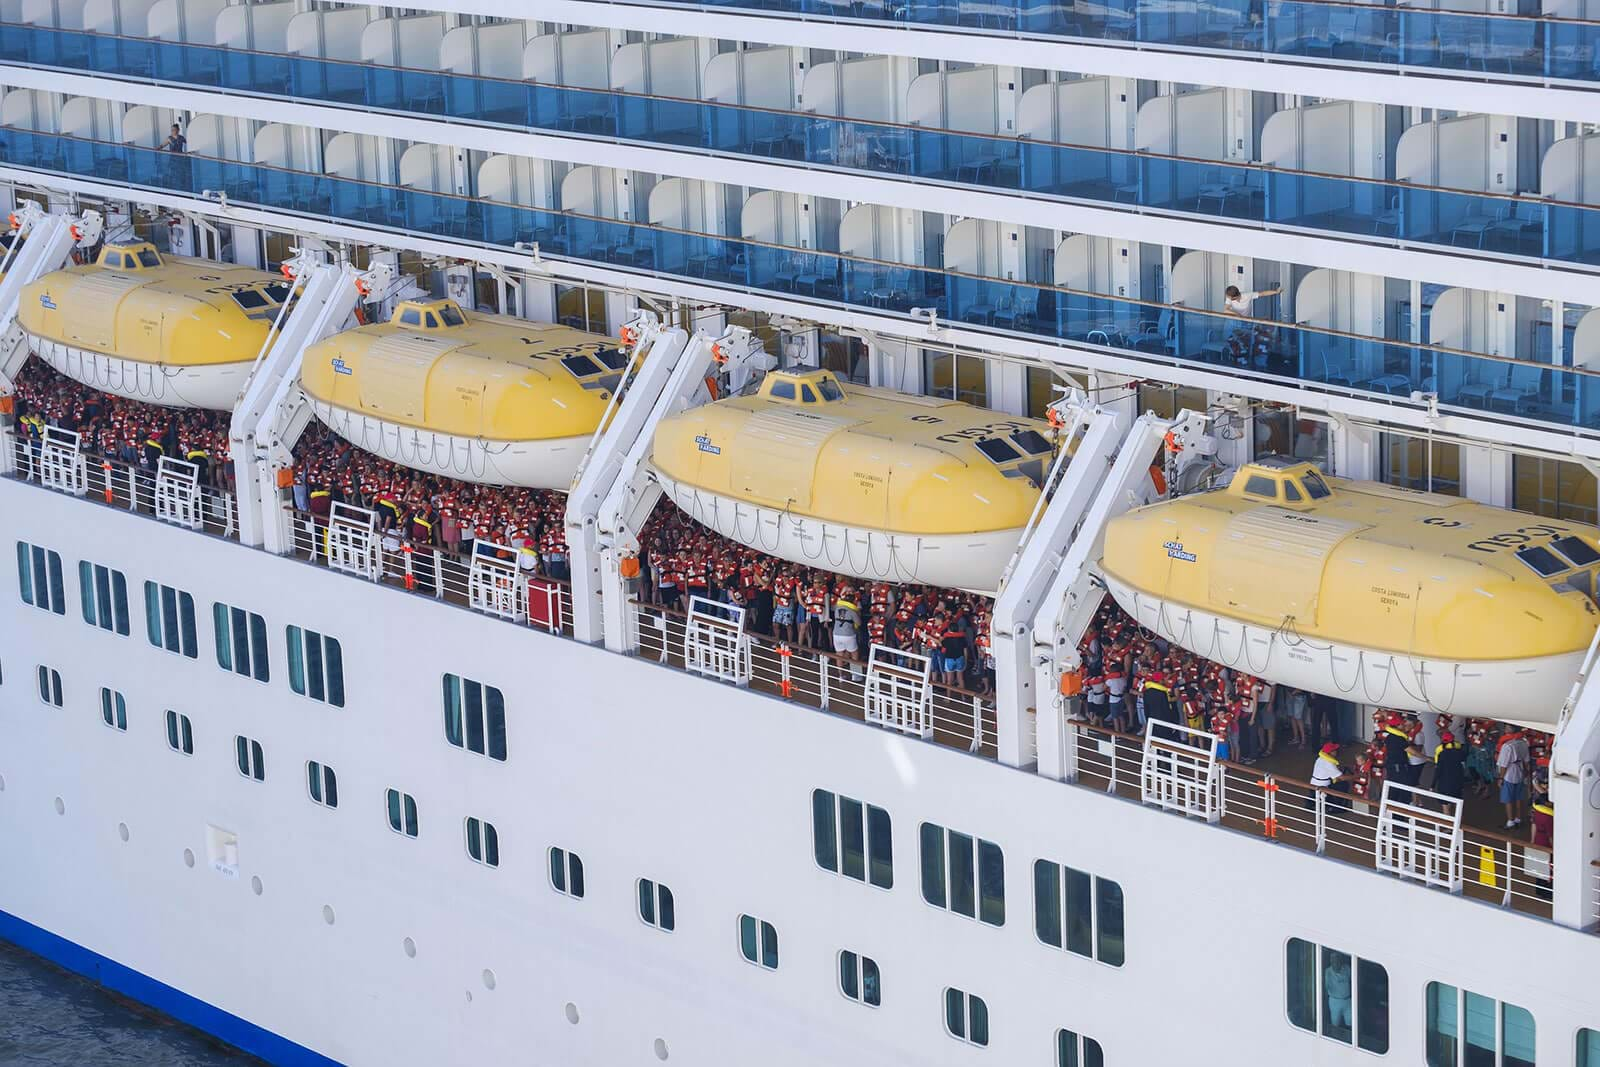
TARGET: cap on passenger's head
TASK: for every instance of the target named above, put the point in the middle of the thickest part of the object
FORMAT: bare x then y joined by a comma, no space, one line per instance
1331,746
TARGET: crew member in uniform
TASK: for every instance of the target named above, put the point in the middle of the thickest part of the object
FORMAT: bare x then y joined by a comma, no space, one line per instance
1449,766
424,538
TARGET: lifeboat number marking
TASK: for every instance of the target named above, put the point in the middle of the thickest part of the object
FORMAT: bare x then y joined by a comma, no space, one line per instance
1175,550
46,302
703,443
1515,539
341,367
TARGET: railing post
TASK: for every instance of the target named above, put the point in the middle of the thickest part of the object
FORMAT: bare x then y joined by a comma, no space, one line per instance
785,681
822,672
1269,813
977,725
1321,807
438,575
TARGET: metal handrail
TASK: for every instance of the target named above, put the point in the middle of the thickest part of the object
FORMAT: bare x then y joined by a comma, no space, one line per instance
1320,331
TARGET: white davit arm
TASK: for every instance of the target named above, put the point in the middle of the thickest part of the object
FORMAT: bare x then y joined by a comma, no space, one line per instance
272,411
1573,783
43,243
615,490
1074,595
1068,493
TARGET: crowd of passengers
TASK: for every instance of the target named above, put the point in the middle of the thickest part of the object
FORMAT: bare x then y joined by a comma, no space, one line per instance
112,428
806,607
1131,676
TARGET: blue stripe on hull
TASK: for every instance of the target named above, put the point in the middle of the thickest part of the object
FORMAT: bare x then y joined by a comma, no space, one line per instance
163,998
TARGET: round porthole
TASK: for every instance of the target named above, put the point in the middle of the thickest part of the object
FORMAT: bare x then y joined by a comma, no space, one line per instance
488,979
255,884
188,857
61,806
327,914
661,1049
122,831
469,996
410,948
572,1013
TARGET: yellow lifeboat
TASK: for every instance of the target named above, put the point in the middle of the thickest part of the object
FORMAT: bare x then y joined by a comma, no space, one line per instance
148,326
1365,592
483,398
868,482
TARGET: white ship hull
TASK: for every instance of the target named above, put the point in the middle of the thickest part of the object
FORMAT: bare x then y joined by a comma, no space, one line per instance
1530,691
957,561
627,763
547,464
214,387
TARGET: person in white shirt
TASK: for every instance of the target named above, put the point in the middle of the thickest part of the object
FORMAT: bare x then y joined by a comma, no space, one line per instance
1512,768
1235,302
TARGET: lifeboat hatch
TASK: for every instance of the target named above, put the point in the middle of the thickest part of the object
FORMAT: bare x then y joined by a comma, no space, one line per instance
134,256
428,315
1280,480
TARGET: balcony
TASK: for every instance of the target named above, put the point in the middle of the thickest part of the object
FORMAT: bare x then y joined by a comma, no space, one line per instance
1368,210
1522,390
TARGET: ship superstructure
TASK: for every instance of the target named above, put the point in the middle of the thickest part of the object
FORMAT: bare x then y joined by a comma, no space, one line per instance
446,681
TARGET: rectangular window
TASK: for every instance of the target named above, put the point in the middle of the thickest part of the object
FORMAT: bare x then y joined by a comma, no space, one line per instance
852,838
1588,1048
322,784
1332,994
241,641
758,942
1466,1029
104,594
316,665
39,578
180,734
483,842
566,872
966,1017
474,717
859,979
49,686
656,906
963,874
1075,1050
169,618
1078,912
402,809
251,760
113,709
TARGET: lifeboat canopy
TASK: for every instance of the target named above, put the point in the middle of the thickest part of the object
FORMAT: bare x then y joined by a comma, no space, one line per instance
857,480
1364,591
486,398
154,327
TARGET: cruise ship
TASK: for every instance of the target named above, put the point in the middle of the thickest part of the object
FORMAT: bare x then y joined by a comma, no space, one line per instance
623,531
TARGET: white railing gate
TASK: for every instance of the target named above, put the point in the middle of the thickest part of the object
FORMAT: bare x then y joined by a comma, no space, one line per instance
1422,844
494,584
714,641
1178,770
899,691
178,492
61,464
353,541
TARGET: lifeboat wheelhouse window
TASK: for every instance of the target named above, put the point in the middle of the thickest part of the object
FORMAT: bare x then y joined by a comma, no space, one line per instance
830,389
1291,493
783,390
997,451
1031,441
612,358
148,258
1262,486
410,317
114,259
249,299
1541,561
451,316
581,366
1578,551
431,322
277,292
1316,488
807,395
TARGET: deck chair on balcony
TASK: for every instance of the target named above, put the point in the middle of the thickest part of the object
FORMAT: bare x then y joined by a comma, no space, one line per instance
1483,378
1013,313
1479,225
1333,370
895,289
1524,383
